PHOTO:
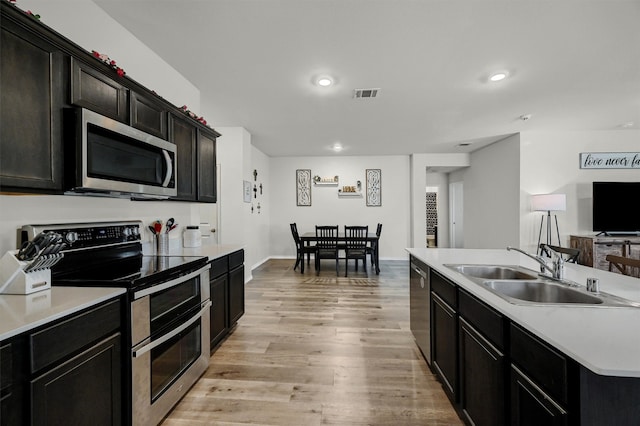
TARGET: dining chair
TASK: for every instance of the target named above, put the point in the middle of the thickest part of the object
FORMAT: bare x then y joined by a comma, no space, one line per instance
355,240
373,246
326,245
572,253
301,248
621,263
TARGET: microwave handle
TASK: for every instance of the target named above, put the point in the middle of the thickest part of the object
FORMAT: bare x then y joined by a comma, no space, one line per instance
167,159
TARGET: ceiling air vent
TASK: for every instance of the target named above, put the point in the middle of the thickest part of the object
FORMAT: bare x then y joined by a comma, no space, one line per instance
365,93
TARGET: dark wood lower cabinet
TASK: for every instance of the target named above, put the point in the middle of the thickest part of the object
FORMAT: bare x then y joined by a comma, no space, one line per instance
530,406
86,389
68,372
14,396
482,384
236,294
444,345
227,295
219,318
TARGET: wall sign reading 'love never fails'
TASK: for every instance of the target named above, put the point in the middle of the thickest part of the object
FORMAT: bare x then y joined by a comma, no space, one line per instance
610,160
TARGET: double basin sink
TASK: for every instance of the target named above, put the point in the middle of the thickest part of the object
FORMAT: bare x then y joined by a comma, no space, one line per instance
523,286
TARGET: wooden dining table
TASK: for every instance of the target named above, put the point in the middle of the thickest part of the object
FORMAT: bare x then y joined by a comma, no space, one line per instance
310,237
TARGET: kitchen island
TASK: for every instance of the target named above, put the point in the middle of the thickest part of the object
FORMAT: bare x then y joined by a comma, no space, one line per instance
557,363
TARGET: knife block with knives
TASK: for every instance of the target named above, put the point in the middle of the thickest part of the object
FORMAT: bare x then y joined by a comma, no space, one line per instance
25,277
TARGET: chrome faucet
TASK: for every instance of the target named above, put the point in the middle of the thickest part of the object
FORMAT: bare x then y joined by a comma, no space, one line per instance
557,272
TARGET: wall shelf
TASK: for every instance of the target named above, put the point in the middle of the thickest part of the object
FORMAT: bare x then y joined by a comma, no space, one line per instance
325,181
350,194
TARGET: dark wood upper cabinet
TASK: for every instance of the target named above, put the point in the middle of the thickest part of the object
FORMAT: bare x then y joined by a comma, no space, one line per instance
32,92
207,167
184,135
95,91
148,116
42,73
196,151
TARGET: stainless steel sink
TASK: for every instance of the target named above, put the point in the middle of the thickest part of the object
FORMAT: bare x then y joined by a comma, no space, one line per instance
541,292
523,286
495,272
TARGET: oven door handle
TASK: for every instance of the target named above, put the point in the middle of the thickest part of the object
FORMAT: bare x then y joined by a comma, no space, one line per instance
146,348
169,284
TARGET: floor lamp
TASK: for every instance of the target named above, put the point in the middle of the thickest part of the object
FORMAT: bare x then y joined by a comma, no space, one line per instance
548,203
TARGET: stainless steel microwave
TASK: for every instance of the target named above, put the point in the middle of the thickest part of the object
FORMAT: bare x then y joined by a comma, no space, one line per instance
109,158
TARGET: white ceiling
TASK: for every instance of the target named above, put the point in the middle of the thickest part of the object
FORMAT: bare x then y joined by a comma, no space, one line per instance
573,65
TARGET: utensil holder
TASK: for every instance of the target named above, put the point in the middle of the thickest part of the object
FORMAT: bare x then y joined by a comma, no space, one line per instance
14,279
162,243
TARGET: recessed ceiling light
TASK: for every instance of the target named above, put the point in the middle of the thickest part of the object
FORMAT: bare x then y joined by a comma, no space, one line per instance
498,76
627,125
337,147
325,81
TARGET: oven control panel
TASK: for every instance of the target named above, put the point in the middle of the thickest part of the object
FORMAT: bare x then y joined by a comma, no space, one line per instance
87,235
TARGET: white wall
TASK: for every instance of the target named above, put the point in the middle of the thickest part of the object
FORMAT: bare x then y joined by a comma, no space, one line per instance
18,210
492,196
328,209
87,25
234,160
260,219
550,164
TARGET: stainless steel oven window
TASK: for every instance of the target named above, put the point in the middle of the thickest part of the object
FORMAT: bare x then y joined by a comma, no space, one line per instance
149,406
168,305
170,359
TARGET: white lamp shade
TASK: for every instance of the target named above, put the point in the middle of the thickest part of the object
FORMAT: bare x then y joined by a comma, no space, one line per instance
549,202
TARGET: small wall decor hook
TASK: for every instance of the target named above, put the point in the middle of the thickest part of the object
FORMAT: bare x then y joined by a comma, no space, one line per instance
255,175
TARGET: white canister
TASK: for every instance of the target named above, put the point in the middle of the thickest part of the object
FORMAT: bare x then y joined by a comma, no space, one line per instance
191,237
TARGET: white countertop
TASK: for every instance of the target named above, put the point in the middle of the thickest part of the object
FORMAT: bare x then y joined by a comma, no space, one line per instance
606,340
20,313
211,251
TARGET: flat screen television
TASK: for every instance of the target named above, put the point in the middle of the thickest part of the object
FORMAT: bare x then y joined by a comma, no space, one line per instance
615,207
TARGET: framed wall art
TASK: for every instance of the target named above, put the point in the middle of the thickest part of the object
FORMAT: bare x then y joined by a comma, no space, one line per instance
303,187
374,187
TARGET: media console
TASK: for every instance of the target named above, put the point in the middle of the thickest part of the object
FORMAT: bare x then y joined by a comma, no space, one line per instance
595,248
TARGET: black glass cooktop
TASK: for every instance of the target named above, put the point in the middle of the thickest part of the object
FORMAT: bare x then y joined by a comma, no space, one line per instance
129,272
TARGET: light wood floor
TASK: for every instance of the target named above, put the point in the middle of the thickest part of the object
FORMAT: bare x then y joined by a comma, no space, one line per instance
319,350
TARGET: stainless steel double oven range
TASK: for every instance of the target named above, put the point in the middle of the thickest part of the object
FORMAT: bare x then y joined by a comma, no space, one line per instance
167,325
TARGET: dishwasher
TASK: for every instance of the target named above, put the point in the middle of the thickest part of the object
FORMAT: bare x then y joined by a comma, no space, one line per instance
419,306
